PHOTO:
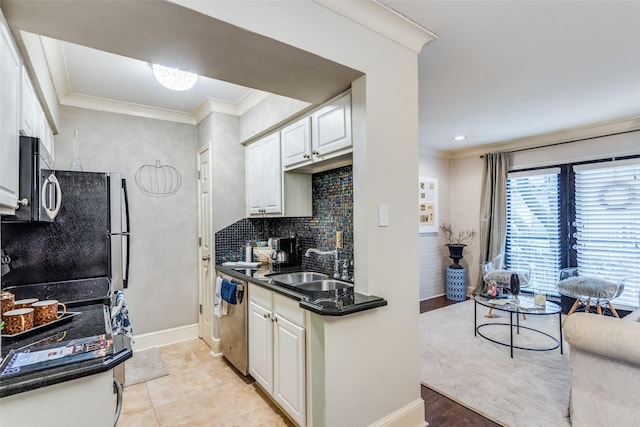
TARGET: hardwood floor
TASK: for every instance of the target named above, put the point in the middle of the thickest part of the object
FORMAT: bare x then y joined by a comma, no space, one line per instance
438,409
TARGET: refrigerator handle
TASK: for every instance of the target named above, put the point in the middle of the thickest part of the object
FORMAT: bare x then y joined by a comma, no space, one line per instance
127,236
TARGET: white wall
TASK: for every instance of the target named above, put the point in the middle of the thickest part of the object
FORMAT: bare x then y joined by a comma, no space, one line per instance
373,365
163,290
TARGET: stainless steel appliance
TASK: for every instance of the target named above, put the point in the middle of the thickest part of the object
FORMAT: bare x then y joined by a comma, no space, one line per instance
285,251
234,328
39,196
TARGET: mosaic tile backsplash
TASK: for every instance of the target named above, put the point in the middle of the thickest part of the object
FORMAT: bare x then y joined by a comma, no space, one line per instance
332,211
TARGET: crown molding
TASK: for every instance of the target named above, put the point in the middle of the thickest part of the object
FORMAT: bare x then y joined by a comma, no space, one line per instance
567,135
382,20
119,107
57,64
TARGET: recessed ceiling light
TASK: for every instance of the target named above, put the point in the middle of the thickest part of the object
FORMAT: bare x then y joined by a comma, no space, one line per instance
173,78
459,138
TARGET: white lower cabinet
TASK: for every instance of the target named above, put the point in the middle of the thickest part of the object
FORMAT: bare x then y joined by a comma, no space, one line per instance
277,359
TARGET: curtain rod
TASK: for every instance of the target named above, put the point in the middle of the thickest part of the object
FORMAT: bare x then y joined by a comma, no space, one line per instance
566,142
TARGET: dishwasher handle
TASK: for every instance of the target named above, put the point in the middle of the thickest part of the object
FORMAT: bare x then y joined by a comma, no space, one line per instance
239,293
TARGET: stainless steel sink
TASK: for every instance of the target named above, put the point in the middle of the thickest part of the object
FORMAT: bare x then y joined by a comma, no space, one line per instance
324,285
299,277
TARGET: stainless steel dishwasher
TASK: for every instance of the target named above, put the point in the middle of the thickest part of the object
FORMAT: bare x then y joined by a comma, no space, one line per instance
234,328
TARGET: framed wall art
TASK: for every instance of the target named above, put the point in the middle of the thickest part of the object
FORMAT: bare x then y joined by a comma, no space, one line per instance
428,204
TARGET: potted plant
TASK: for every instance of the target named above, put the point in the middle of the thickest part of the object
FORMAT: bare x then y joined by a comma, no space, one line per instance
455,242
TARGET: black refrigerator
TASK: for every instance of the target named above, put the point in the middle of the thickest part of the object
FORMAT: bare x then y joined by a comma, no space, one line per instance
88,239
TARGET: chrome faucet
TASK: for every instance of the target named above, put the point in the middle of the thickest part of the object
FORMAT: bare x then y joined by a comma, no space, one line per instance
334,252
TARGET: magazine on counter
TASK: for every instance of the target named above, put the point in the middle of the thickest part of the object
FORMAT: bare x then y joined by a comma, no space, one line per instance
32,359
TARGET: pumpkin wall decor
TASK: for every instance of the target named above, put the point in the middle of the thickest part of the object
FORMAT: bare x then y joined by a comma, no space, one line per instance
158,180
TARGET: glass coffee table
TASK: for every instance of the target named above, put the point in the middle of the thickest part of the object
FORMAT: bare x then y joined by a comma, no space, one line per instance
524,306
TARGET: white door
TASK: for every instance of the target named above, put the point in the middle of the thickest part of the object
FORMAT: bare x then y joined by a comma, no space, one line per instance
289,368
206,284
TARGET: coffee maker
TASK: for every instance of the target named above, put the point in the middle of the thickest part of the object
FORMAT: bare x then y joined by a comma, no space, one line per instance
285,252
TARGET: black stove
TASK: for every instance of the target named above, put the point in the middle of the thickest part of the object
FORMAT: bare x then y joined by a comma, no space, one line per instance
88,303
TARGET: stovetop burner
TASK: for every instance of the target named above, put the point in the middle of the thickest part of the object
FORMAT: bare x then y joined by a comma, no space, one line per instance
91,298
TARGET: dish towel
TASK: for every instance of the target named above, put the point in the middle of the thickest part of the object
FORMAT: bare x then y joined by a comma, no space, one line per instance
228,292
120,323
217,302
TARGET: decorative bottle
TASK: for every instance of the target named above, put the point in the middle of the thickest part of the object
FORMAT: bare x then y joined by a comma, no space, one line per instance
76,164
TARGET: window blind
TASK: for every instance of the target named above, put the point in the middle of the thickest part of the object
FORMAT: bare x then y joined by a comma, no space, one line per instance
607,201
533,226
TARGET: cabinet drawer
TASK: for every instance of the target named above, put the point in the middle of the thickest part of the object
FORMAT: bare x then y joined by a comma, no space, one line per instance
261,296
289,309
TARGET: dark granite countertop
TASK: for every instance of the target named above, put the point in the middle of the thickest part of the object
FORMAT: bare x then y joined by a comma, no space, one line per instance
308,300
93,319
54,375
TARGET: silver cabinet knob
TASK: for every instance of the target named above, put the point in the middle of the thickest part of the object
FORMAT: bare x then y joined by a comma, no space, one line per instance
206,258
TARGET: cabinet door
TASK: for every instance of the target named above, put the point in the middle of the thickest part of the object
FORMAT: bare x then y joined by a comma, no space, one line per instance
332,127
253,175
261,346
272,174
296,143
289,368
27,99
264,176
9,106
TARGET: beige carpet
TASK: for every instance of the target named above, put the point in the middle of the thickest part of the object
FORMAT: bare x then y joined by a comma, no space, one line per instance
532,389
145,365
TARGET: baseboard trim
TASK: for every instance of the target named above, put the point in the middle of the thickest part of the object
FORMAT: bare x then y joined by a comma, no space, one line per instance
165,337
411,415
215,350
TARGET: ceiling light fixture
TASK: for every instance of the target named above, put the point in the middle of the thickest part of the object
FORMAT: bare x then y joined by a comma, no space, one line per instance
459,138
173,78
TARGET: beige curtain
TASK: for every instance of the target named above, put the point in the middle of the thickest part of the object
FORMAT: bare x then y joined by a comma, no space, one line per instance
493,210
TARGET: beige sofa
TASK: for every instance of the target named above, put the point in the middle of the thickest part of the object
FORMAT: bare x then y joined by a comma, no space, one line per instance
605,369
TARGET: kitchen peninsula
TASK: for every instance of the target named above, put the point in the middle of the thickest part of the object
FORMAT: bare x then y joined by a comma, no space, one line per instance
279,328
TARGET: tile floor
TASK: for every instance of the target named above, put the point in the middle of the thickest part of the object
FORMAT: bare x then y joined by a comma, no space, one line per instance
200,390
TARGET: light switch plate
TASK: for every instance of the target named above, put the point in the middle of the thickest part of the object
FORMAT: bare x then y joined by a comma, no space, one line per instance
383,215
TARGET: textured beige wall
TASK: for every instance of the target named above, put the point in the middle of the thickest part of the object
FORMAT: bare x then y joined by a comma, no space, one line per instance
163,290
273,110
434,257
220,132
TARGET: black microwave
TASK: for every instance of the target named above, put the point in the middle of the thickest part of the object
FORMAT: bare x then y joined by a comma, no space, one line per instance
39,195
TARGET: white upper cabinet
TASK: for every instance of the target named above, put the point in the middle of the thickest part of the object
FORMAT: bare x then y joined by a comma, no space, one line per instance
270,191
264,176
332,127
320,141
27,105
296,143
9,108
